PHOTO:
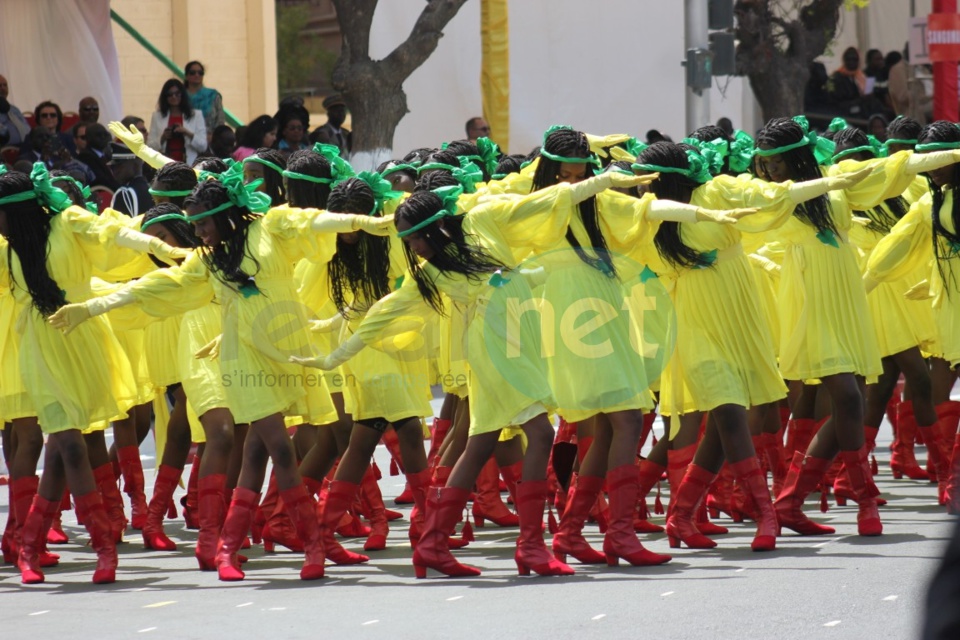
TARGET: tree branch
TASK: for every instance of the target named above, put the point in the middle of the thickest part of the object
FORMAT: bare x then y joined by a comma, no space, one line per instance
355,17
422,41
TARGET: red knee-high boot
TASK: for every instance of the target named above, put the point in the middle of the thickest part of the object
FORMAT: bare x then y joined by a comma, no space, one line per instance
511,475
7,544
621,540
419,485
755,484
392,443
55,534
235,527
948,417
678,460
648,474
211,510
531,551
153,534
439,481
771,448
190,502
303,513
444,506
487,505
903,461
133,484
90,508
437,436
33,533
800,432
858,467
112,500
803,476
372,501
23,490
339,496
569,538
681,524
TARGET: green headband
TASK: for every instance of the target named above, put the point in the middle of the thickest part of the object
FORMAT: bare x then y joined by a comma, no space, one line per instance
264,162
822,148
937,146
489,153
23,196
714,152
393,168
591,159
293,175
698,170
164,218
382,189
50,197
430,166
84,190
340,169
173,194
873,146
239,194
449,196
741,151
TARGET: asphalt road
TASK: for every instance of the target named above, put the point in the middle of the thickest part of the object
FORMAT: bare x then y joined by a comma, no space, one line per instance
839,586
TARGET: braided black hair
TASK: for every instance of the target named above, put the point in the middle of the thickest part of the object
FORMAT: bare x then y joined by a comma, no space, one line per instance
435,180
510,164
452,252
363,266
881,219
802,166
676,187
573,144
273,180
467,148
28,233
210,164
225,260
944,240
175,176
181,230
418,156
903,128
68,186
305,193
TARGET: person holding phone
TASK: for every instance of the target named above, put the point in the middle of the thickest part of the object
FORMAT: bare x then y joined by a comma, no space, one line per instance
177,129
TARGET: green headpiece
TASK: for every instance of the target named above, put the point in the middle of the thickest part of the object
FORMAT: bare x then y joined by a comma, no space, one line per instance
590,159
382,191
449,196
50,197
713,152
264,162
873,146
698,171
84,190
164,218
393,167
741,152
240,195
822,148
340,169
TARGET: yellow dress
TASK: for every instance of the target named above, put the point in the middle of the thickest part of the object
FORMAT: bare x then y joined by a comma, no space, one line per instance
908,248
260,329
73,380
14,400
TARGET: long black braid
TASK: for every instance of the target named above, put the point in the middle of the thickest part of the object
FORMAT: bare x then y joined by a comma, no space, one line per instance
175,176
28,232
435,180
904,128
882,218
711,132
418,156
273,180
946,244
510,164
802,165
305,193
467,148
181,230
210,164
233,224
678,188
361,267
452,252
573,144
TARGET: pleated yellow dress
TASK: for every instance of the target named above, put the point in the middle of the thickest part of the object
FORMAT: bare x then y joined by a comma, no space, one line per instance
260,329
313,287
14,400
73,380
908,248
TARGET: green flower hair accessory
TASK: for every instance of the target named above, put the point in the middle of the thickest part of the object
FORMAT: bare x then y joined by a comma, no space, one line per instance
837,125
84,190
449,196
741,152
873,146
489,153
50,197
241,195
382,191
698,171
713,151
340,169
822,148
468,174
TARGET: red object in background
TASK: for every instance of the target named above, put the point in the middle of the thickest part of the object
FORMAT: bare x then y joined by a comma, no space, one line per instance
944,52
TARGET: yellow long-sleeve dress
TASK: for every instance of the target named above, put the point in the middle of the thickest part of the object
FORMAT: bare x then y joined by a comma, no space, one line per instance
72,380
261,328
908,248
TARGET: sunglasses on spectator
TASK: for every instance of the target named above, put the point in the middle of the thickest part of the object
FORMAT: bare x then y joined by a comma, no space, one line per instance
93,108
195,72
81,137
48,115
172,94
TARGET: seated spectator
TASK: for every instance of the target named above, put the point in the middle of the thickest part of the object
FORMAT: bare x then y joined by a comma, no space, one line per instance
148,172
133,197
177,129
46,147
97,155
262,132
11,118
79,133
847,84
333,131
292,129
89,110
49,116
224,142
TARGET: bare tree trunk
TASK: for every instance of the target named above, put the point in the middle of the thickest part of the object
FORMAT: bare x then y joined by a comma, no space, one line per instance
373,89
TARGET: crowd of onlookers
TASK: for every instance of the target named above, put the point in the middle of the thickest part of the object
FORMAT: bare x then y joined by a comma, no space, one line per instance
189,123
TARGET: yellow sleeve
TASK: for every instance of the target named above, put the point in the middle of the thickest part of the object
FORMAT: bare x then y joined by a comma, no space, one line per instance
887,180
624,222
96,236
918,188
290,227
394,315
174,290
907,247
733,192
138,265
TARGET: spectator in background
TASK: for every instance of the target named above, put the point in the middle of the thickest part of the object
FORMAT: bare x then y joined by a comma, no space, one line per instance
727,125
177,130
333,131
907,94
262,132
223,142
133,197
139,123
11,118
207,100
89,110
292,131
79,133
875,64
877,126
97,156
49,116
848,83
477,127
46,147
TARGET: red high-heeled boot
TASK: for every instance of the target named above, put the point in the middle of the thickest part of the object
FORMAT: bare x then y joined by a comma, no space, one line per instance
264,510
419,485
800,432
681,523
190,502
95,518
891,409
803,476
437,435
843,488
7,544
771,448
211,508
903,461
569,538
55,534
951,491
487,505
948,417
303,513
112,500
376,511
444,505
23,490
720,495
133,484
153,534
235,527
648,474
438,481
752,479
858,468
678,460
531,551
392,443
511,475
32,536
621,541
339,497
